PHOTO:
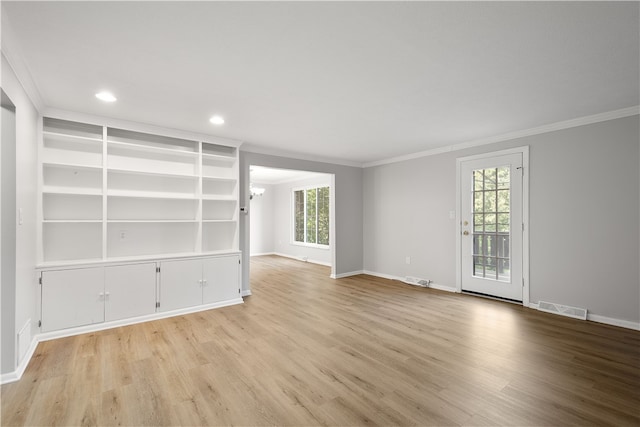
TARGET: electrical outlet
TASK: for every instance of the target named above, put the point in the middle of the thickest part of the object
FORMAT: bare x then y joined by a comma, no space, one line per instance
123,234
407,260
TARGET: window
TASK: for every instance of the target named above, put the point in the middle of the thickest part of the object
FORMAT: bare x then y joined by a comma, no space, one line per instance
311,216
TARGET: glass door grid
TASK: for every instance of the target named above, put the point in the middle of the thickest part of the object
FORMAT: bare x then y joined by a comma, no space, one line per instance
491,223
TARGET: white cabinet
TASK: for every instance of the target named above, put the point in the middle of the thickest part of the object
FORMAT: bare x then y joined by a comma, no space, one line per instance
72,298
130,291
180,284
192,282
84,296
221,277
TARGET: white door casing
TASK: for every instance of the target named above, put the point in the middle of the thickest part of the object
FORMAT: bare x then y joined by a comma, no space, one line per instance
492,229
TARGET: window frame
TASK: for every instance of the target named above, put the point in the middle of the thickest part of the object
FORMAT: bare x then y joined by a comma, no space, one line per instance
304,190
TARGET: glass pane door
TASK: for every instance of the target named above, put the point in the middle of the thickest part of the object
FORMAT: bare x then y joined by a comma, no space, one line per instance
491,223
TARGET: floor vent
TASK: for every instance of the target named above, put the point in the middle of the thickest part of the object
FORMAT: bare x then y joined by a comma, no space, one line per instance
563,310
415,281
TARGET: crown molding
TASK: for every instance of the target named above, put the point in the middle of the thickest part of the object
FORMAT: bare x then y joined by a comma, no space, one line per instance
566,124
256,149
11,52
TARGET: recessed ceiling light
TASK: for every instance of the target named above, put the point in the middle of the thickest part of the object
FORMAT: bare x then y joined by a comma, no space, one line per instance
106,96
217,120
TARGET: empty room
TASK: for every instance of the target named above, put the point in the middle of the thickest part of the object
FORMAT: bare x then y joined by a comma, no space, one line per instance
320,213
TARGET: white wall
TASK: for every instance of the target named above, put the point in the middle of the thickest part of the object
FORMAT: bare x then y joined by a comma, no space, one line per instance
26,199
261,211
8,233
283,226
584,217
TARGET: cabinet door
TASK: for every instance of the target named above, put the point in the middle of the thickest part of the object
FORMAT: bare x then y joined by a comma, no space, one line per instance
130,291
72,298
221,275
180,284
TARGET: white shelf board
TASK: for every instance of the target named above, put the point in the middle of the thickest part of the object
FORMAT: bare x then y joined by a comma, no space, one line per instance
49,189
71,166
148,173
151,221
219,198
67,137
150,195
72,221
218,220
69,263
230,159
152,149
218,179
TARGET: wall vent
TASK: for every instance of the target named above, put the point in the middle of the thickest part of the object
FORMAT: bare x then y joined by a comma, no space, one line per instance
563,310
416,281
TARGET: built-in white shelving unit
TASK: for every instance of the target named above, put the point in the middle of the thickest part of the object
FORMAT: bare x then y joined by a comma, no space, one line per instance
110,193
118,207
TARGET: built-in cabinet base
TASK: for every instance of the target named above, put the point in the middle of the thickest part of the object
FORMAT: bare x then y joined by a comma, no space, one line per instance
76,296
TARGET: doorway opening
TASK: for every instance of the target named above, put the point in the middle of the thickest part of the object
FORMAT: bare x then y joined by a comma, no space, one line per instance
291,214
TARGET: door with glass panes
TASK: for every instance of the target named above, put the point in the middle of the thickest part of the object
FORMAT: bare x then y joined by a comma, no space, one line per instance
491,226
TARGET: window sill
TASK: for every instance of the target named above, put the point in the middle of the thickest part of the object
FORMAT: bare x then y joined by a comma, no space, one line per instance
312,245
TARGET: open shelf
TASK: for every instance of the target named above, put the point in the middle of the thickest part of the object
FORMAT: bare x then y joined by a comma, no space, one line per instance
152,143
72,129
218,236
219,210
123,208
72,143
71,207
150,238
71,179
155,173
219,188
150,149
151,185
113,194
64,241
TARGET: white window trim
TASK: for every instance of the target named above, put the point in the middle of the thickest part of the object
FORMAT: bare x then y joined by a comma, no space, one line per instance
292,227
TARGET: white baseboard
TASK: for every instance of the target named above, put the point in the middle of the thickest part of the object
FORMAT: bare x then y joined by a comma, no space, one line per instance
443,287
46,336
383,275
263,254
604,319
246,293
614,322
348,274
312,261
402,279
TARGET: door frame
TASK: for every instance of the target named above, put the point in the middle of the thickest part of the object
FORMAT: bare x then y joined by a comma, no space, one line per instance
524,150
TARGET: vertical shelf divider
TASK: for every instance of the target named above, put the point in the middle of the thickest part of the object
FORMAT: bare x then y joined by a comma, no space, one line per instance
40,202
105,184
199,168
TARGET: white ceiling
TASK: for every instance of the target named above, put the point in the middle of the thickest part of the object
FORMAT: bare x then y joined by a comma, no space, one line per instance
357,81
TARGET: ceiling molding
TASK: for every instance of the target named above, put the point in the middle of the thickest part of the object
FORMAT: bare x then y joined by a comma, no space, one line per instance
11,52
251,148
566,124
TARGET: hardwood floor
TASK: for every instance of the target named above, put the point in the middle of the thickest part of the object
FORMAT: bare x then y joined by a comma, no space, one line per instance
308,350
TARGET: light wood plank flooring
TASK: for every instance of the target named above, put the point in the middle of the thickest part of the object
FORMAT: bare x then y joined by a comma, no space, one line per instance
308,350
